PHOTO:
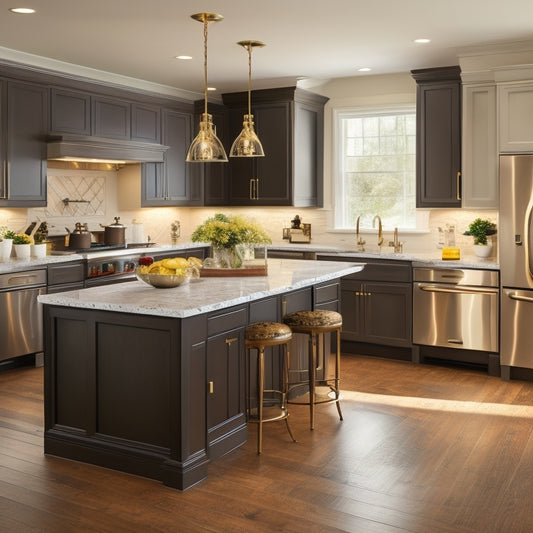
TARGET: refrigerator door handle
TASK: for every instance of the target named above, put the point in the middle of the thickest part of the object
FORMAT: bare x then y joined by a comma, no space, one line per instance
515,296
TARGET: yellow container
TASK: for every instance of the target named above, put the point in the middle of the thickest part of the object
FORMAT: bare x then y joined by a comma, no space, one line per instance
451,254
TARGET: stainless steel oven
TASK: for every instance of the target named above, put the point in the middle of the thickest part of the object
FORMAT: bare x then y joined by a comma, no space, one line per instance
456,308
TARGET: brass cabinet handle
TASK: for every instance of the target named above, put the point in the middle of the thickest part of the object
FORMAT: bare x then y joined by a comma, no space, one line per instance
211,387
254,189
283,307
458,193
232,340
251,193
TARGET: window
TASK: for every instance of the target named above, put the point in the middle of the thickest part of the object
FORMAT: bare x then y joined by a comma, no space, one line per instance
376,167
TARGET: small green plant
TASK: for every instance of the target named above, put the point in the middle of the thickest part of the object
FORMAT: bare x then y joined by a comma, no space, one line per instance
6,233
479,229
21,238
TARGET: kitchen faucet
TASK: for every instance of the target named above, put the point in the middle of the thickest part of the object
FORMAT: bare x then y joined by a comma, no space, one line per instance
360,242
398,246
380,230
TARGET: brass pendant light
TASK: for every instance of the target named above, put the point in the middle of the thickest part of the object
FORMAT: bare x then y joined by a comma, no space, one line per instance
247,144
206,146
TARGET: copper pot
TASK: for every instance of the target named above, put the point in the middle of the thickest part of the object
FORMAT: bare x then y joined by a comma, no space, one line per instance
80,238
115,233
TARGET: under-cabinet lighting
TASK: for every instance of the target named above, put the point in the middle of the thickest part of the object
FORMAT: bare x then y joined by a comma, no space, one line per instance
422,41
22,10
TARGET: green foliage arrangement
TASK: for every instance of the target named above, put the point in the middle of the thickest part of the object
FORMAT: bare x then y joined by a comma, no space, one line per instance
6,233
479,229
225,231
21,238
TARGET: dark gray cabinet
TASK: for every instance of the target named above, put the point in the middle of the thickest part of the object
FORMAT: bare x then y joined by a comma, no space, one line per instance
145,123
438,160
289,123
169,183
66,276
376,304
111,117
24,108
70,111
225,379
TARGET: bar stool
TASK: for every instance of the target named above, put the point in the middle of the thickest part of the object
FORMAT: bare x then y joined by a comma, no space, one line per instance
315,324
258,336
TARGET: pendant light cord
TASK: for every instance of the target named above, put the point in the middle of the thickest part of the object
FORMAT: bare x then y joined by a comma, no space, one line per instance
205,65
249,47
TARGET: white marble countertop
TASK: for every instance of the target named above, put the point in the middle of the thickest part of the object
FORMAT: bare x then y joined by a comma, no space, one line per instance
205,294
430,259
14,264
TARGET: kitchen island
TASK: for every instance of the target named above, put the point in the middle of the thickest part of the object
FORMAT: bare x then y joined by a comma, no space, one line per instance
152,381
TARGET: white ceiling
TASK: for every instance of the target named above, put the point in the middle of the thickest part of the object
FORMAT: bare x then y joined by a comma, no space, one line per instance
304,38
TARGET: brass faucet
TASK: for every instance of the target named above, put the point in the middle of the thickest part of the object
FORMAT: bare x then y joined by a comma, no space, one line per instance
360,242
380,230
398,246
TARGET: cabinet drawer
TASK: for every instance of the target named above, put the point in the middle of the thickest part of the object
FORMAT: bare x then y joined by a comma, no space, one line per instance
326,293
66,273
384,271
232,318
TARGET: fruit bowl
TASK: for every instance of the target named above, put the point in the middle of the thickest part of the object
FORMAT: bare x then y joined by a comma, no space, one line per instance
163,281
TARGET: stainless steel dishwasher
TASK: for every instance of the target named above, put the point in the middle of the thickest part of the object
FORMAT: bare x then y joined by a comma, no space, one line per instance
21,329
456,308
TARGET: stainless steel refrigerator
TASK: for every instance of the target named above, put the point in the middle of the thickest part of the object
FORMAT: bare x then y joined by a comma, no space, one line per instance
516,260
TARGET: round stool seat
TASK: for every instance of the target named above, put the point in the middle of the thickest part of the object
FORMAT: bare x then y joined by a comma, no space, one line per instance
314,319
268,332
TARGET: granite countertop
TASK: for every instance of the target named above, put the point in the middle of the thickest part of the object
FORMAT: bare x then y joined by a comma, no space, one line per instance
205,294
17,265
429,259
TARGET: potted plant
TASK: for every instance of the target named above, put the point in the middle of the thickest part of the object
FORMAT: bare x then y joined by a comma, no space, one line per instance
21,244
480,229
227,234
38,248
6,244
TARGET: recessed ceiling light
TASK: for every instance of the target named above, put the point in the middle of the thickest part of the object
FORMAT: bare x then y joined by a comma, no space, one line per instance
364,69
183,57
22,10
422,41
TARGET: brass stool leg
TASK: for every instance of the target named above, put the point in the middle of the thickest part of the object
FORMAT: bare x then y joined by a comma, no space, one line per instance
285,386
312,378
260,389
337,373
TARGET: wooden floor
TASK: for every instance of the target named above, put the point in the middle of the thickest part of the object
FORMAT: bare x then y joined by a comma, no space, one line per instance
422,448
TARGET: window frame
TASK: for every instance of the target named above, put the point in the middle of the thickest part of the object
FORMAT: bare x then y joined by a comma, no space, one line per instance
422,216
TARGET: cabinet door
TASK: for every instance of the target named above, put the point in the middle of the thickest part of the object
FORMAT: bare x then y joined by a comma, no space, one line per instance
352,308
145,123
387,314
70,112
25,146
516,117
111,118
153,185
177,136
438,155
480,153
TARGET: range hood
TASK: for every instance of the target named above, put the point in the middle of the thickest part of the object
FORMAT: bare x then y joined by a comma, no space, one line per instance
102,150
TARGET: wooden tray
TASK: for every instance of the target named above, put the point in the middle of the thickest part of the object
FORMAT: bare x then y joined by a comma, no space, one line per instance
261,270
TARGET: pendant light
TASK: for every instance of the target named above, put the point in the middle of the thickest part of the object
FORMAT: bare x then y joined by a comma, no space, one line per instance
206,146
247,144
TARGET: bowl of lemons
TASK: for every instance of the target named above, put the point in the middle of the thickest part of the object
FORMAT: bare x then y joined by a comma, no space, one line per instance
169,272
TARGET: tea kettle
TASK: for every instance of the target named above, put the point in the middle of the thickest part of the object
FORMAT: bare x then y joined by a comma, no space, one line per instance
80,238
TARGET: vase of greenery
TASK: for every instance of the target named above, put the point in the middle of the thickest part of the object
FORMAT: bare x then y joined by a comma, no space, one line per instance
227,234
21,244
480,229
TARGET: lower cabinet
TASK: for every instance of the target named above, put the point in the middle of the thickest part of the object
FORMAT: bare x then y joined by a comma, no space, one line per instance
68,276
226,411
376,306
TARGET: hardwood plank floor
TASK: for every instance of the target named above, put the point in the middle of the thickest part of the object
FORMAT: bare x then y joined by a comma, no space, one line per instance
422,448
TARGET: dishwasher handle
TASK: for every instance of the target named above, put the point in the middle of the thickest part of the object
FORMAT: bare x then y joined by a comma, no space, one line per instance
462,290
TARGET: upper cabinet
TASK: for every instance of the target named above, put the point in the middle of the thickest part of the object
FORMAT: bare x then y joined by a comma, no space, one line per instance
70,111
290,125
516,117
23,147
480,188
438,109
169,183
111,117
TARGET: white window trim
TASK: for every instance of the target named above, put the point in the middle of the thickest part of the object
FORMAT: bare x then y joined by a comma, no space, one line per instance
422,215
